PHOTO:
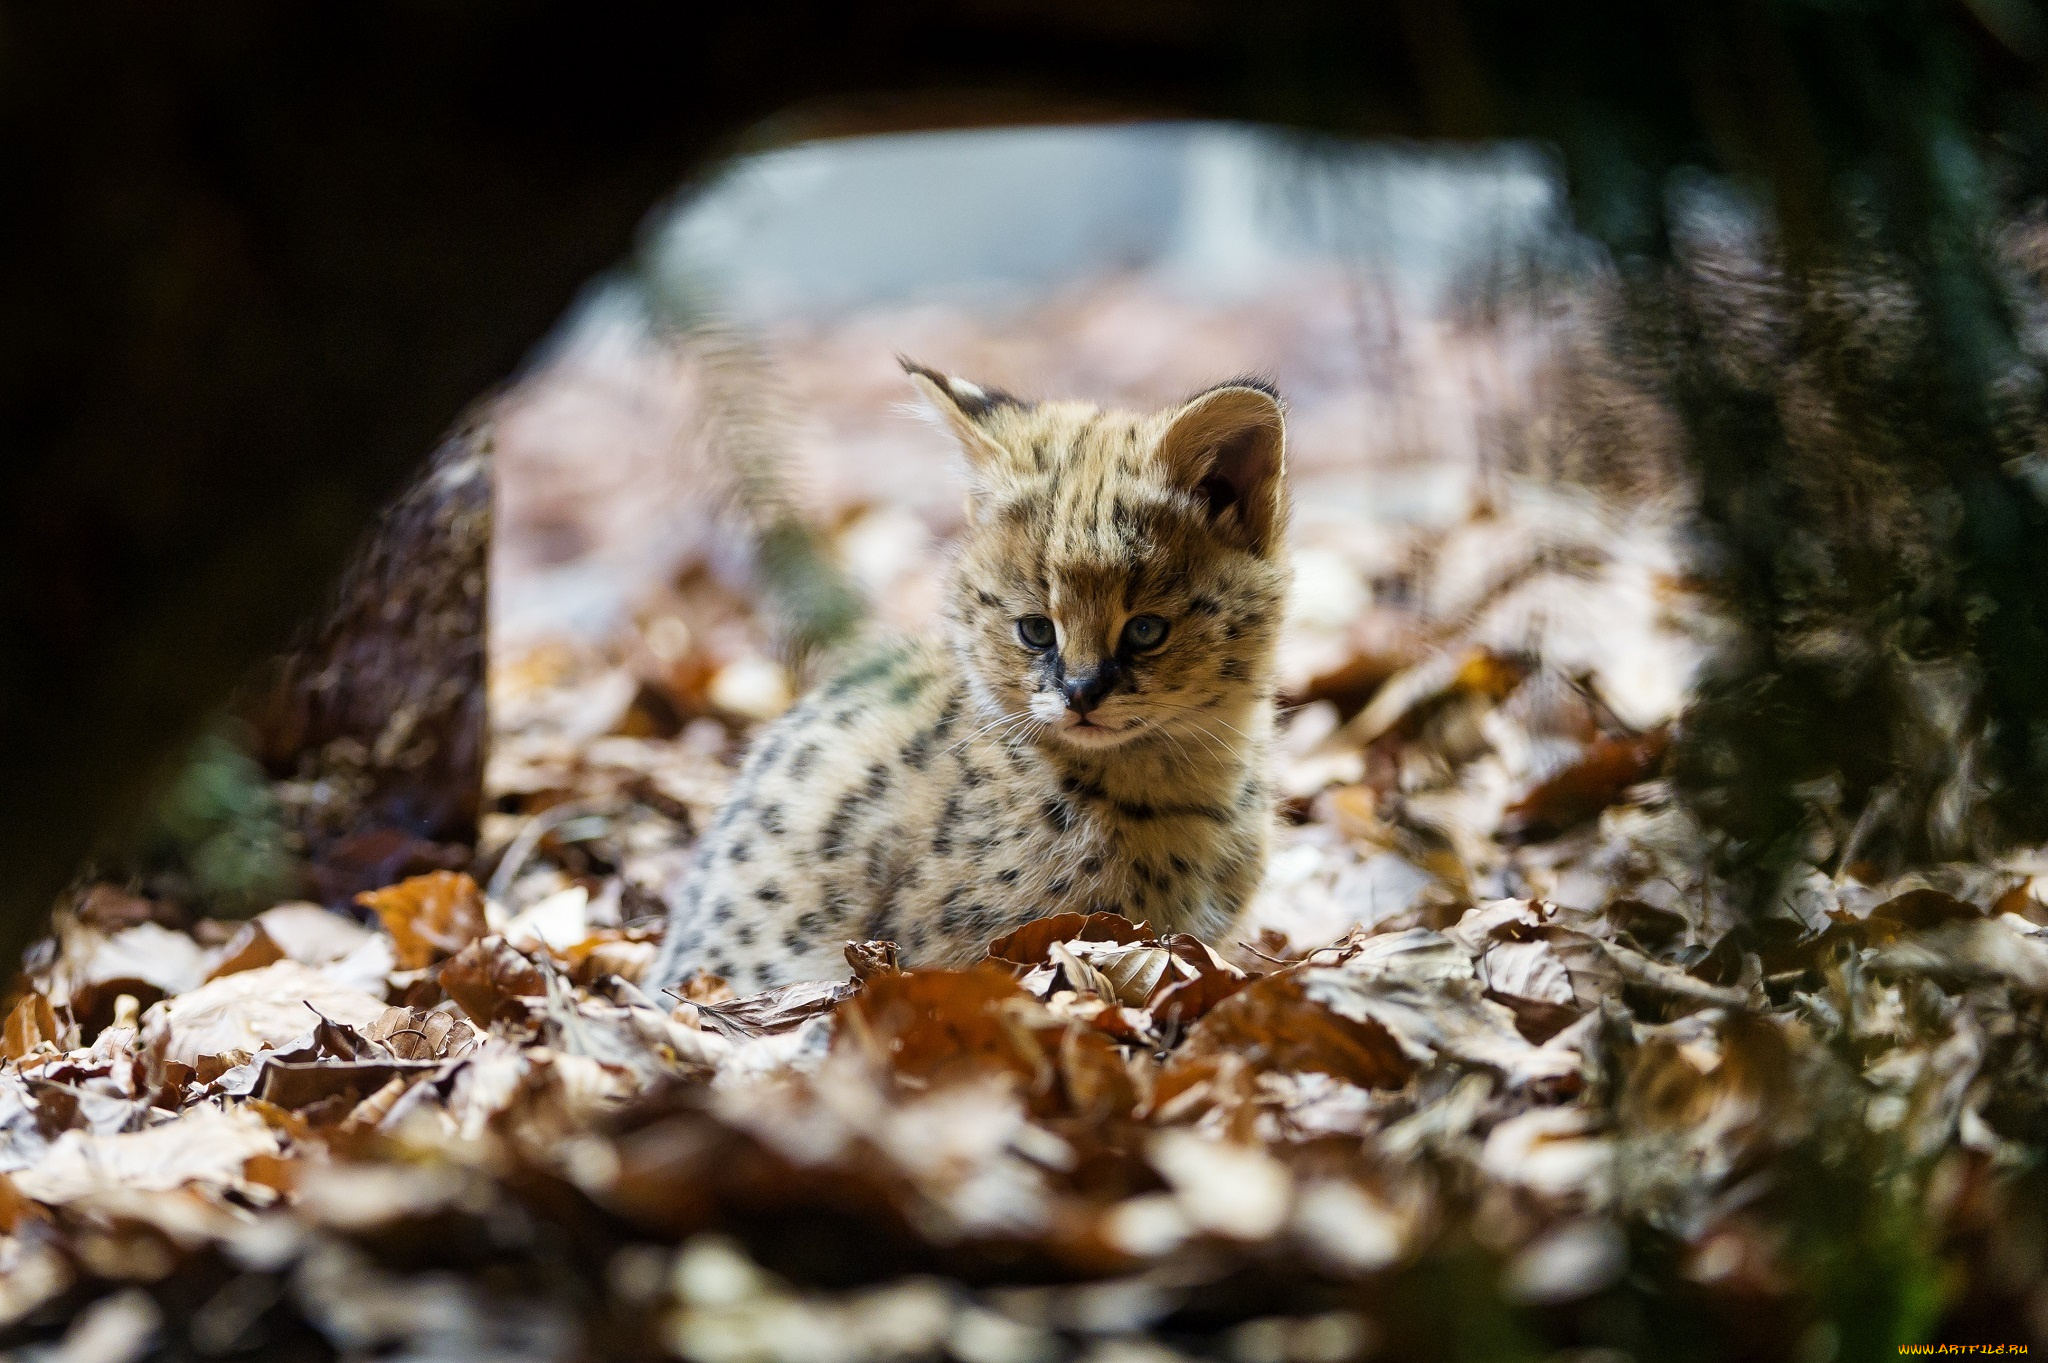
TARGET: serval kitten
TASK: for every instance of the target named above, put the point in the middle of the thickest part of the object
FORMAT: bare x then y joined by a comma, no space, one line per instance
1089,734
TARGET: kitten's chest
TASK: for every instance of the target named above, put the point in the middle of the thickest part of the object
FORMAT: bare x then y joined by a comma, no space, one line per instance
1139,846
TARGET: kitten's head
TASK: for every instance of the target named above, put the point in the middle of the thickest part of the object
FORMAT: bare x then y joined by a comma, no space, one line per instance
1121,575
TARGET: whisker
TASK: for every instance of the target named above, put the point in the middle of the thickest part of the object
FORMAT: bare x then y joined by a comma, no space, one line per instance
1002,717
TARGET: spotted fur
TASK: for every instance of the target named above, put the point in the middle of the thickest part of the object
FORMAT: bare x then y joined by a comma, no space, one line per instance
940,791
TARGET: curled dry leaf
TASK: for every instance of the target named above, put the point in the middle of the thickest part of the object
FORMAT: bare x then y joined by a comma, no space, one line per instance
310,934
870,959
1456,1022
1702,1099
1582,790
1530,979
1549,976
335,1085
1032,944
1187,1001
422,1034
31,1026
1410,696
1180,1001
1274,1025
1965,952
1079,976
251,948
148,952
429,917
626,953
207,1146
1914,911
1134,971
1421,989
935,1025
939,1027
147,961
703,988
487,979
776,1010
251,1010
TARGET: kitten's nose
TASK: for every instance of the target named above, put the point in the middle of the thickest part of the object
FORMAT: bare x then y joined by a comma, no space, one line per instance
1084,691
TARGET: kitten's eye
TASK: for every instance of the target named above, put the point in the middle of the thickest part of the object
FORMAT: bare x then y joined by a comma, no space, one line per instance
1144,632
1036,631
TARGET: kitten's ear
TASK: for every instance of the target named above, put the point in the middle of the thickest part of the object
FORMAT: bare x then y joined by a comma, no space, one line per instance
965,408
1228,446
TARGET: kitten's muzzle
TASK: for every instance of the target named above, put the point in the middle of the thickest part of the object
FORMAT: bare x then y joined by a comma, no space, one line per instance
1085,690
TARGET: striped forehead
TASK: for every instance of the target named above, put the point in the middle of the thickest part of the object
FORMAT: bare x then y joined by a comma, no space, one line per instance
1091,500
1106,541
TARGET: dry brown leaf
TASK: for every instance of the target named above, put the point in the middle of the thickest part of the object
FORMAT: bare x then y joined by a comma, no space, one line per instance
1182,1001
1421,988
272,1171
1407,698
296,1085
703,989
1579,792
429,917
1965,952
1134,971
1272,1024
32,1023
488,977
1527,970
15,1207
211,1067
869,959
1548,975
206,1146
1529,978
1916,910
379,1105
611,951
251,948
1032,944
1079,976
148,961
250,1010
941,1025
777,1010
1188,1000
422,1034
1094,1083
310,934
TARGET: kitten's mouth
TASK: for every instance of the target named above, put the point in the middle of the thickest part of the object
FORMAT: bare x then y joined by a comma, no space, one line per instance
1089,733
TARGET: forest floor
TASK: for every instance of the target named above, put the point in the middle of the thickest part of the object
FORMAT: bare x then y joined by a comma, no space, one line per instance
1495,1067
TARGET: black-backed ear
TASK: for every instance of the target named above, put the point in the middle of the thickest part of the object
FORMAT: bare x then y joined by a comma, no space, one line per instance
965,408
1228,446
